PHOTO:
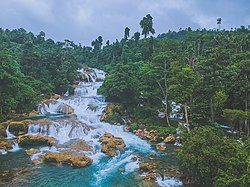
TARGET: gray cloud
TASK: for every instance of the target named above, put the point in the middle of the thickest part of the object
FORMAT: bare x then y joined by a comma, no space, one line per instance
84,20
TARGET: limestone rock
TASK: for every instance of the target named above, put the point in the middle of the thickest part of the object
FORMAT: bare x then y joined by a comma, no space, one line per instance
35,140
160,147
65,109
59,158
5,145
68,159
150,176
31,151
110,144
169,139
81,161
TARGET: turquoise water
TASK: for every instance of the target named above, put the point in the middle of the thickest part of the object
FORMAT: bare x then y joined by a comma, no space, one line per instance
53,175
103,173
16,168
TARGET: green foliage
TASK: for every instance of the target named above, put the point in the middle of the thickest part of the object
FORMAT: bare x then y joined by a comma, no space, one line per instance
147,25
207,158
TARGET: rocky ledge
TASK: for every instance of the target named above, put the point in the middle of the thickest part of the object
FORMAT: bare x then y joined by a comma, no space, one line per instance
35,140
110,144
68,159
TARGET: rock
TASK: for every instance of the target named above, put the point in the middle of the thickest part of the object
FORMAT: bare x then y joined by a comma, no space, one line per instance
35,140
160,147
55,97
5,145
147,167
37,161
126,128
59,158
121,170
65,109
68,159
150,176
110,143
170,139
31,151
81,161
19,127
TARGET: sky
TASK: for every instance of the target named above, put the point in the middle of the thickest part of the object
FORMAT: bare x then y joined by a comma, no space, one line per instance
82,21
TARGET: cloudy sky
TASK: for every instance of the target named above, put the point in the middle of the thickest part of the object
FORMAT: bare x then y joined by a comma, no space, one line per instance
84,20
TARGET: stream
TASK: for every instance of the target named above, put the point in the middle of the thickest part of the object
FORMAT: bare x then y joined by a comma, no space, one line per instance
88,107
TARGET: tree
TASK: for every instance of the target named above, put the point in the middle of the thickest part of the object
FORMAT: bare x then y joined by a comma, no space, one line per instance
137,36
182,87
147,25
206,154
219,22
126,33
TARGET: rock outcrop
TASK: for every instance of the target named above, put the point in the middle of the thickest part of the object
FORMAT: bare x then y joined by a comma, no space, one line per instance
4,145
68,159
31,151
110,143
35,140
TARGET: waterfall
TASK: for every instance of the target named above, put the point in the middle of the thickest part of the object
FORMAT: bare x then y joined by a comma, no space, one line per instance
85,124
15,147
9,134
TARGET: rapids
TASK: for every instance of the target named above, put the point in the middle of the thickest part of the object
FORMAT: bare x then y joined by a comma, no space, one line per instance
85,124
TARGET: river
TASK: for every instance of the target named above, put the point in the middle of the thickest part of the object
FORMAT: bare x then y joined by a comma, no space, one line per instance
86,126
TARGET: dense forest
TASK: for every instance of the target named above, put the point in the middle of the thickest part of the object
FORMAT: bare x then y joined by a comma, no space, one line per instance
206,71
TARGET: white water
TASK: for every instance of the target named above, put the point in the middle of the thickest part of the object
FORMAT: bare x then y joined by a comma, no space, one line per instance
15,147
8,134
88,106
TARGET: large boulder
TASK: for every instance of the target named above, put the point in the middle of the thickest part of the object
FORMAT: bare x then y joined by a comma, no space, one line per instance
81,161
58,158
169,139
35,140
65,109
110,143
19,127
68,159
15,127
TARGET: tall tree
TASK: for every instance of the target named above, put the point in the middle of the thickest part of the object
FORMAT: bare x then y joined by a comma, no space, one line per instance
219,22
147,25
126,33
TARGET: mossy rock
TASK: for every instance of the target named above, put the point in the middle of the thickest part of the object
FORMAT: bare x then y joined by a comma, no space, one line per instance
18,127
35,140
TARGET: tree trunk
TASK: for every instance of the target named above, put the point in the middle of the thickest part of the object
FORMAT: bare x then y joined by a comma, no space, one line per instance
186,116
212,110
166,114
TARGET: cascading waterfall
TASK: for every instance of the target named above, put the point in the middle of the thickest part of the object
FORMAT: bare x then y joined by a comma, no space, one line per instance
85,124
8,133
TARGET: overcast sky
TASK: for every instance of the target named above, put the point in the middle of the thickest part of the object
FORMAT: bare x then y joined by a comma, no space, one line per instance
84,20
